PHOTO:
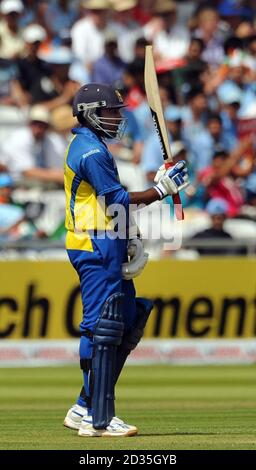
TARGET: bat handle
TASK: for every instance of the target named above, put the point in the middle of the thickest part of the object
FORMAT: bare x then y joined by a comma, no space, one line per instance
178,210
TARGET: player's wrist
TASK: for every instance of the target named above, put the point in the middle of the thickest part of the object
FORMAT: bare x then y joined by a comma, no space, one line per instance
166,187
160,190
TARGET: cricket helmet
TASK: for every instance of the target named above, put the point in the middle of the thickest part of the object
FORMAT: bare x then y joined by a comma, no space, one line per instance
92,97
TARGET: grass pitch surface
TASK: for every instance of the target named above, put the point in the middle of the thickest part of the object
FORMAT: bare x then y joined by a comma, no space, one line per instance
173,407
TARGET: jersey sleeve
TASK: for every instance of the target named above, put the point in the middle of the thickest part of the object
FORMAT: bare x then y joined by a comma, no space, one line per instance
98,169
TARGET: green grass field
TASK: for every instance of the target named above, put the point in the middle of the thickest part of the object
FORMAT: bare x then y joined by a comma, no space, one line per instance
173,407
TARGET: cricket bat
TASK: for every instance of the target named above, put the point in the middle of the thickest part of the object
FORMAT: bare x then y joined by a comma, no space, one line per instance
154,101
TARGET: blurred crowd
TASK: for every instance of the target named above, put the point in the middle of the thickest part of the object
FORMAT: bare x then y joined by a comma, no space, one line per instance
205,55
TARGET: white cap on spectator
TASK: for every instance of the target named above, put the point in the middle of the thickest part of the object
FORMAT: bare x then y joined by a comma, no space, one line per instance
34,33
248,112
39,113
62,118
234,95
9,6
123,5
96,4
59,55
229,93
176,147
172,113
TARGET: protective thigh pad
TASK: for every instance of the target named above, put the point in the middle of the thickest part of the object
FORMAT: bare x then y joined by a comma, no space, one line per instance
133,337
107,337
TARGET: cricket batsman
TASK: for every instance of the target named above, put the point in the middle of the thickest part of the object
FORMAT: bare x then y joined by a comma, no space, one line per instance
105,257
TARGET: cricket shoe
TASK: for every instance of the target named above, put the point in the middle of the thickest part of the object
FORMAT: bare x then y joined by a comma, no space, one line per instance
76,413
74,416
116,428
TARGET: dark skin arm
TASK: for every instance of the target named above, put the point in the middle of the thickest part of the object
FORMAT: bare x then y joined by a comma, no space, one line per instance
144,197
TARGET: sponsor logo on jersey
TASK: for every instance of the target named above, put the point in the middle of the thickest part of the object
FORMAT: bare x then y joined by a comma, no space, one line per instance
91,152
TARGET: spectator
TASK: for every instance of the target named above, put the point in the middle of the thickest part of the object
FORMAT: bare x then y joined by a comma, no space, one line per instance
58,89
11,41
231,44
234,12
108,68
143,11
208,142
239,79
62,122
185,11
139,48
58,17
125,27
170,39
89,30
252,45
195,50
11,93
229,116
210,32
217,209
143,114
192,196
245,30
10,214
133,81
27,152
16,219
187,77
33,72
218,182
194,115
29,13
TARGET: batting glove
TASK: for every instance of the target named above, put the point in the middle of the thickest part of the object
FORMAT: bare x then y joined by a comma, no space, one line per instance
173,180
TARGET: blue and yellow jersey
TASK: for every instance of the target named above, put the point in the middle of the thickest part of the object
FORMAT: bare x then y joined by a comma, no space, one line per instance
91,184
